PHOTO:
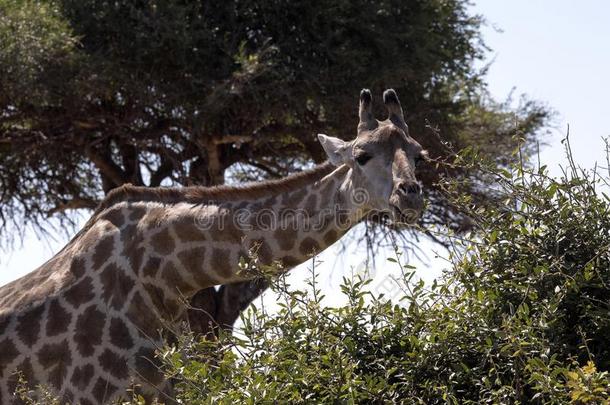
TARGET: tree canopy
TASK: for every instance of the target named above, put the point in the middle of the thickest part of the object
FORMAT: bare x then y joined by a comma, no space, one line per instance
96,94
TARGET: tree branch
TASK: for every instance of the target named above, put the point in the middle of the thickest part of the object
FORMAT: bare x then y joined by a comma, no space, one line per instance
226,139
164,170
75,203
131,162
106,166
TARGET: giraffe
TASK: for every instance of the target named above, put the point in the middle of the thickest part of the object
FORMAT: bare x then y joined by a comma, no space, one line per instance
86,323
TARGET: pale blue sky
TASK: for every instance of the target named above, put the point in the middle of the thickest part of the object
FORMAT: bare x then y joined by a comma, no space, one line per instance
556,51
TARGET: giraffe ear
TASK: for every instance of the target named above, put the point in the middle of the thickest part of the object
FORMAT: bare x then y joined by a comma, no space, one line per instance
339,152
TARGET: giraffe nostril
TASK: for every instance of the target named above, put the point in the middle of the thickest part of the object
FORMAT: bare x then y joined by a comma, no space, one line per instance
414,189
402,188
408,188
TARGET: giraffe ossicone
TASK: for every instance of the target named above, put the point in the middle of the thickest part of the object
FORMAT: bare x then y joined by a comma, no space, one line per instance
86,324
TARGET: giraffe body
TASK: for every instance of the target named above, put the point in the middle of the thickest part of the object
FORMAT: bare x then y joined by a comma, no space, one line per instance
87,323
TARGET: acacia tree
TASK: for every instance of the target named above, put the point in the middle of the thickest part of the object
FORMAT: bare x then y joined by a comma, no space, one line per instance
96,94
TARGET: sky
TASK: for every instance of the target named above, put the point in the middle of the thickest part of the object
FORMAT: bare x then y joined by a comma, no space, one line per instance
558,52
554,51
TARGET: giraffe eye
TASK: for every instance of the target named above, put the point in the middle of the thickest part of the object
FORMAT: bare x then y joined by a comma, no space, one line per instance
363,158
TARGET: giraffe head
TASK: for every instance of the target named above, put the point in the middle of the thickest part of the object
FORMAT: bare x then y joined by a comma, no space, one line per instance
383,159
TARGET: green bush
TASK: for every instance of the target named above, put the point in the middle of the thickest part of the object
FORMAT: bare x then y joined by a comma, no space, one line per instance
523,317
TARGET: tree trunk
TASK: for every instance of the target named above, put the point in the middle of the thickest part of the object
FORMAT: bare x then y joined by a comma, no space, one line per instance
215,309
211,309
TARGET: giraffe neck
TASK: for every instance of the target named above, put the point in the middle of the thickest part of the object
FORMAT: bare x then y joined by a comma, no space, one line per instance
91,314
184,247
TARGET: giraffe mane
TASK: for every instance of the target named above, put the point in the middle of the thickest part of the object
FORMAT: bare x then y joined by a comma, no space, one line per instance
201,194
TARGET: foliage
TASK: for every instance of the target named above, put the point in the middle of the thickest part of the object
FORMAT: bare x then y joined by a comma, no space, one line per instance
35,35
523,317
95,94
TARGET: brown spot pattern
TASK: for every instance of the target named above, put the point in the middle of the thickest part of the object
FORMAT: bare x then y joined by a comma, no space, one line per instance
151,267
156,294
56,358
187,231
135,259
285,237
165,305
115,217
85,401
172,308
270,201
174,281
322,221
163,243
130,239
128,235
103,390
103,250
143,317
28,325
148,366
264,220
330,237
192,260
309,246
77,266
116,285
226,230
220,262
311,205
137,212
290,261
255,205
294,198
7,354
88,333
240,205
81,376
58,318
119,334
114,363
80,293
4,322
